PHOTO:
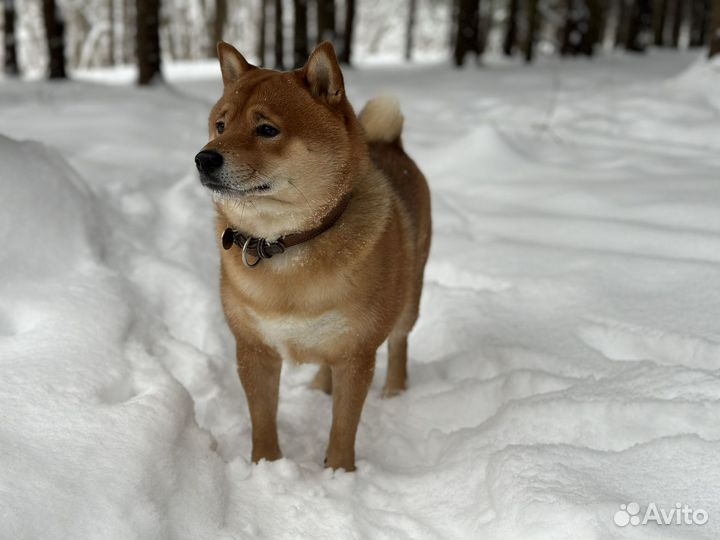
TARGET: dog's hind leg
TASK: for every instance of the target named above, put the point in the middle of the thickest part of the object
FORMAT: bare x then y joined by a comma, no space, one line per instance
397,365
396,379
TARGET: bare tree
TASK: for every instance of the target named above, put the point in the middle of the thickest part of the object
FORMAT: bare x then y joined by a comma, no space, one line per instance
55,34
326,20
699,22
485,23
262,34
511,28
279,36
597,19
111,32
410,29
533,16
219,21
678,14
571,31
603,7
584,26
659,18
300,37
148,41
346,50
714,29
128,39
639,21
11,63
467,35
279,43
623,21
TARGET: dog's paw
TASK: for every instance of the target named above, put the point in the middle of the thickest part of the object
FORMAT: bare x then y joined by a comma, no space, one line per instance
268,454
345,463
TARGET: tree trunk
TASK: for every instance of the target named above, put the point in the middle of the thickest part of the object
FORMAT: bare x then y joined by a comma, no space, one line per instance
410,29
714,29
300,37
467,38
346,51
678,15
621,28
511,28
11,63
659,21
582,27
569,27
219,21
262,35
55,33
111,32
588,27
639,19
148,41
485,24
325,20
279,36
699,22
603,7
532,25
596,25
128,39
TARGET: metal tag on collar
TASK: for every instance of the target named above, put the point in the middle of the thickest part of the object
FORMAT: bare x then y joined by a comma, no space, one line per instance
245,254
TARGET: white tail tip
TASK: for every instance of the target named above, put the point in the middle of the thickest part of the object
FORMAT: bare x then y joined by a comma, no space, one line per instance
382,120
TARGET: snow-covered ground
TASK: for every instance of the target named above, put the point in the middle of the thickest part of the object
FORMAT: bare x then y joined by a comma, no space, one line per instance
567,359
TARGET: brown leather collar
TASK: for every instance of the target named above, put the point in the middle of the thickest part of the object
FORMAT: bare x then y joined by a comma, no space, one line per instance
259,248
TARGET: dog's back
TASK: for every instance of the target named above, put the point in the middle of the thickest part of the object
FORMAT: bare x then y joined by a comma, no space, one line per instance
382,122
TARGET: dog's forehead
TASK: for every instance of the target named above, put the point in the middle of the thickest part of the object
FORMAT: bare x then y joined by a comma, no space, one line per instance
271,88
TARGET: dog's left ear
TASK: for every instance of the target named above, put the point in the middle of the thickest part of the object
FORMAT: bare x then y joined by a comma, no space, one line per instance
232,63
323,74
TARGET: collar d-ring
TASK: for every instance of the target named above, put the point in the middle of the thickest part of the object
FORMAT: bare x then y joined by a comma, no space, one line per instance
245,255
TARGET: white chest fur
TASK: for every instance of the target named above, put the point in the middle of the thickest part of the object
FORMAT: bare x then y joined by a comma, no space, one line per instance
308,333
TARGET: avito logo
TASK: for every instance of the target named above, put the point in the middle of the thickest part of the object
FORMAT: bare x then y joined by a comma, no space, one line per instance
680,514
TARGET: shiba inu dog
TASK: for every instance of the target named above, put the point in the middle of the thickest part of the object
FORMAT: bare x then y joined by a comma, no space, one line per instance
324,229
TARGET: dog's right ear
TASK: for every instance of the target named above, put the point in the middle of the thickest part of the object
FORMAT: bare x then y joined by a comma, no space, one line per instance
232,63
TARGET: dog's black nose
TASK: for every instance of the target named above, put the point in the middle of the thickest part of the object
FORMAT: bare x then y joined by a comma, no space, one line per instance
208,161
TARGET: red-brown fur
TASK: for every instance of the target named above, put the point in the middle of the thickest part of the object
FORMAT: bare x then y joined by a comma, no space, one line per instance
335,298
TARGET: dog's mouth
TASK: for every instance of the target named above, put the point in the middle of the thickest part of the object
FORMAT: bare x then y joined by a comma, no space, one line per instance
227,191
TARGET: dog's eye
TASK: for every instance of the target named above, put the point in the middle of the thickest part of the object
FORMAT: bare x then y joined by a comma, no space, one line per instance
220,126
266,130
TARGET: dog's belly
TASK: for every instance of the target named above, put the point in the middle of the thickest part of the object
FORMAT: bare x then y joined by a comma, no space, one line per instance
303,339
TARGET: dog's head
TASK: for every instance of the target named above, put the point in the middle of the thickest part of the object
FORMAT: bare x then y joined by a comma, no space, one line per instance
285,144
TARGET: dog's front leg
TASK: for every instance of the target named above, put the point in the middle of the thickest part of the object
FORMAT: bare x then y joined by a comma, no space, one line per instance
259,368
350,382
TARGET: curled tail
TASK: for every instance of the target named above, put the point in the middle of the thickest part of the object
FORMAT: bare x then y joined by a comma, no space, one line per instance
382,120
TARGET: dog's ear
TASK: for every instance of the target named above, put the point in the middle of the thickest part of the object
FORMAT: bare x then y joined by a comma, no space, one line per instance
232,63
323,75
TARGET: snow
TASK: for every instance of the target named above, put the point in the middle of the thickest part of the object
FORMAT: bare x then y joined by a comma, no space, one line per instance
567,359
